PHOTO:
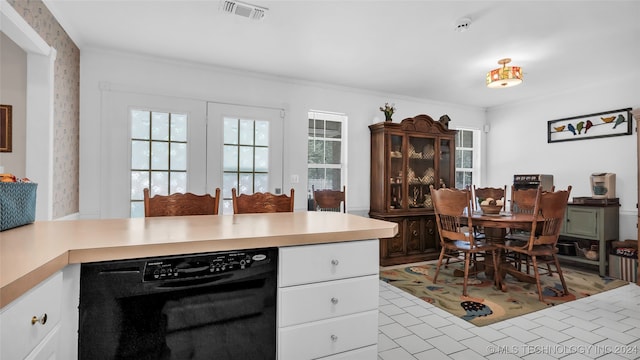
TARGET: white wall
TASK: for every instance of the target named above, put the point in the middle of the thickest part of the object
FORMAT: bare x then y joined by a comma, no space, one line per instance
154,76
517,143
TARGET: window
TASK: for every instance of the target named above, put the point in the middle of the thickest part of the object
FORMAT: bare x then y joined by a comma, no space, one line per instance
467,150
245,159
158,155
326,168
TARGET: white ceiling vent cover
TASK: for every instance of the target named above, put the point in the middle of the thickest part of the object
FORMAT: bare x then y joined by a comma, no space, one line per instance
252,12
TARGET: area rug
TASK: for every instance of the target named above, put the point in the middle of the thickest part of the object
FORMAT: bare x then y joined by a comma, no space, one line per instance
485,304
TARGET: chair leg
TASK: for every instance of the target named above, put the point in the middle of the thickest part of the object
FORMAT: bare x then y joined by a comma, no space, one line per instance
537,274
467,260
559,270
549,269
435,277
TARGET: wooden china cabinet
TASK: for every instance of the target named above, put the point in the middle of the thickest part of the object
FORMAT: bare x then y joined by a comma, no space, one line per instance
406,158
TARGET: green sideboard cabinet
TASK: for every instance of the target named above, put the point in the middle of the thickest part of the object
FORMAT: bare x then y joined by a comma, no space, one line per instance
597,223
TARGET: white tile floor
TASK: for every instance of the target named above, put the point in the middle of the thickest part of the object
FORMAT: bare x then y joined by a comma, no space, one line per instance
602,326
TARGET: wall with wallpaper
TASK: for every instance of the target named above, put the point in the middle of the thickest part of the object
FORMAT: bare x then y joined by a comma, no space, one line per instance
13,91
66,105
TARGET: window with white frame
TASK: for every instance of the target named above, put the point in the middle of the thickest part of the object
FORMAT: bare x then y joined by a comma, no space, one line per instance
467,151
158,155
327,145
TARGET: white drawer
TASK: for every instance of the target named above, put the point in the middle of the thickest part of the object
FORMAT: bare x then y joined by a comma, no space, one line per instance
18,335
366,353
323,262
47,349
328,337
305,303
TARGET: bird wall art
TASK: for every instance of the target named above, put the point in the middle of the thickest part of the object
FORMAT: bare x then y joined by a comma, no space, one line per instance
610,123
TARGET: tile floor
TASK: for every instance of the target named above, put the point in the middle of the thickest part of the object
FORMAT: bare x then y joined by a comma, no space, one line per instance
602,326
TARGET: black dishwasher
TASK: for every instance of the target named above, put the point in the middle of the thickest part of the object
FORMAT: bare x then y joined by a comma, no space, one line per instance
218,305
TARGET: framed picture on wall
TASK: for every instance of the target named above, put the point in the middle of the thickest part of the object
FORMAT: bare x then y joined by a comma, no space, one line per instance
5,128
598,125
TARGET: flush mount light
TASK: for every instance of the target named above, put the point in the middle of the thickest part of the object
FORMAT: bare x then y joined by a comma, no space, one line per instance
506,76
252,12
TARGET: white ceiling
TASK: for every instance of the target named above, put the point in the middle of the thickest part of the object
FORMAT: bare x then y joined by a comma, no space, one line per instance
404,48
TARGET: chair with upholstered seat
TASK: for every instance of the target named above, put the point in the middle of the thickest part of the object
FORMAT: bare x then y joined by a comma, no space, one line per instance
453,217
179,204
548,216
330,200
261,202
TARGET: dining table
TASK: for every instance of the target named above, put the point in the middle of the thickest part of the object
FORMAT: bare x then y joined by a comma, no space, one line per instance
495,228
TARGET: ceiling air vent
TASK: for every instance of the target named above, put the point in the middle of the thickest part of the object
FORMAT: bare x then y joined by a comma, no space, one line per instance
252,12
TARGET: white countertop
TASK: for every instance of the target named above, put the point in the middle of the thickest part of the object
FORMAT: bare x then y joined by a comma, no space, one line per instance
31,253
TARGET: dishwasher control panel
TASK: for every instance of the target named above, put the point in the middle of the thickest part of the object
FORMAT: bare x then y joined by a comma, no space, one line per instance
193,266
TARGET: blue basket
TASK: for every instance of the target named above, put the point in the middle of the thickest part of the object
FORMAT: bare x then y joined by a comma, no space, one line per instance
17,204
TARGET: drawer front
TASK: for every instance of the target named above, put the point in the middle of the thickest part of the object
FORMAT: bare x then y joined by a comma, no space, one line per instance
323,262
305,303
47,349
328,337
19,336
366,353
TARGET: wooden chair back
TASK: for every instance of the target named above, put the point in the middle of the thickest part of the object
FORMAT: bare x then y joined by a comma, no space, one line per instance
330,200
451,207
523,201
549,214
179,204
261,202
479,194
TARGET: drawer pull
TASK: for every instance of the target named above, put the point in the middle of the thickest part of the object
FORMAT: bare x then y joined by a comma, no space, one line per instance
334,300
42,320
335,262
334,338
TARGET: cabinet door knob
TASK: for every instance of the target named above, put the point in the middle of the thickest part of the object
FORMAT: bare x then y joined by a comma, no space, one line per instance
334,300
334,338
42,319
335,262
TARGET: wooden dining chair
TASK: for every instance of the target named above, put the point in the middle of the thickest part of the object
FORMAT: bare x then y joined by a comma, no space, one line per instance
330,200
480,194
452,209
179,204
523,201
548,216
261,202
483,193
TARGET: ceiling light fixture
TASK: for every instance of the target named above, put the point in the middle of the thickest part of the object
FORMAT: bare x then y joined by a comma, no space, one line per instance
506,76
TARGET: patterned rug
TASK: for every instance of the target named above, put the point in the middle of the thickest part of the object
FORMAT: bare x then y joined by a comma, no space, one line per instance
486,305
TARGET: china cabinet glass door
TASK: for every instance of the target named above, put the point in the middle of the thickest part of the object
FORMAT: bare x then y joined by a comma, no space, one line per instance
396,173
421,171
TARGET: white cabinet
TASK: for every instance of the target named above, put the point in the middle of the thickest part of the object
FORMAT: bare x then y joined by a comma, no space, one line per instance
328,301
48,348
29,325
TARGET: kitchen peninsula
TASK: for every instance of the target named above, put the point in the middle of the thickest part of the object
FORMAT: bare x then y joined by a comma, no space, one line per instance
37,252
